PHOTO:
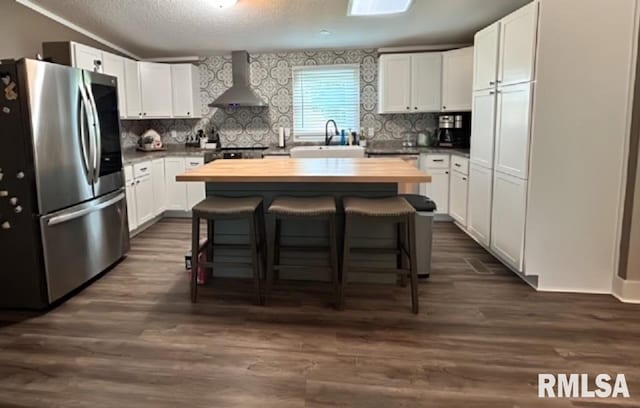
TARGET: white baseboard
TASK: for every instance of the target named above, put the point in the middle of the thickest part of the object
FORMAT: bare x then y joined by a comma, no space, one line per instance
627,291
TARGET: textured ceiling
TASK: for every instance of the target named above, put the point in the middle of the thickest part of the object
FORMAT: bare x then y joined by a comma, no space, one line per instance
164,28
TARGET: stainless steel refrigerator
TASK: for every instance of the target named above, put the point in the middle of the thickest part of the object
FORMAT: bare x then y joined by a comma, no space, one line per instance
63,216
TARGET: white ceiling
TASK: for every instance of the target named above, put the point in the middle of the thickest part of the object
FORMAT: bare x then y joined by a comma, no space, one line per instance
166,28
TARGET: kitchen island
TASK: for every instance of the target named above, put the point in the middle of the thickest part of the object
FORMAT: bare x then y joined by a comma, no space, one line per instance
364,177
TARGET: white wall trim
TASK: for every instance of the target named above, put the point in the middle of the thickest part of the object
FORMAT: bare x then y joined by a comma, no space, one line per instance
626,151
626,291
69,24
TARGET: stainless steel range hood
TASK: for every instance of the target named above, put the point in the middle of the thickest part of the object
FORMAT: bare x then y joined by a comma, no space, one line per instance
240,94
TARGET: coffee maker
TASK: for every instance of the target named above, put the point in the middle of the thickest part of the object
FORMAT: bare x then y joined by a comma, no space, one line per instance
454,130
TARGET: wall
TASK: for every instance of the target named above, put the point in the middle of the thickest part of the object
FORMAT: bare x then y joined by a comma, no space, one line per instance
580,132
24,31
271,77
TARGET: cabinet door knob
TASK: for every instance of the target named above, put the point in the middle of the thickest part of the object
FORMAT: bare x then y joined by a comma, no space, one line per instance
416,108
444,107
188,113
492,83
464,178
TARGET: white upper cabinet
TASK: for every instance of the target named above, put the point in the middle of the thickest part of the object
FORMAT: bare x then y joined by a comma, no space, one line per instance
114,65
513,130
132,89
394,83
155,88
185,84
483,127
508,219
518,35
485,60
86,57
457,80
426,82
409,83
479,203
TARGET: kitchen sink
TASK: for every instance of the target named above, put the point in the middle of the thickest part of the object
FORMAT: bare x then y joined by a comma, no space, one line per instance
326,151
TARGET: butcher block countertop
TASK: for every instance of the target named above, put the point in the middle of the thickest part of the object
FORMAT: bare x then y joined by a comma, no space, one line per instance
343,170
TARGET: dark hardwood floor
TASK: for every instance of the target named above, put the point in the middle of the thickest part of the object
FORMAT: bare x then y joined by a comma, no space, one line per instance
133,339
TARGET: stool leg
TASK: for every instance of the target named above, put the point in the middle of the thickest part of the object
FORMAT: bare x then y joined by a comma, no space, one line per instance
333,247
211,232
195,246
276,245
262,246
401,263
271,258
411,220
346,255
254,258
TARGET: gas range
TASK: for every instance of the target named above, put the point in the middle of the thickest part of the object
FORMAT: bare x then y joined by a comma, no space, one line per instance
234,153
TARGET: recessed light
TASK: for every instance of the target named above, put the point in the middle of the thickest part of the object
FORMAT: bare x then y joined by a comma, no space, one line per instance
223,3
377,7
325,32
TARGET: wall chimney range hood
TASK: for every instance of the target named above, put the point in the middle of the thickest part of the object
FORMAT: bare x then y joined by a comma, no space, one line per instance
240,94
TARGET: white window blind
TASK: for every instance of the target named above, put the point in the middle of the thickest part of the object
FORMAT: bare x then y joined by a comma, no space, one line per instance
323,92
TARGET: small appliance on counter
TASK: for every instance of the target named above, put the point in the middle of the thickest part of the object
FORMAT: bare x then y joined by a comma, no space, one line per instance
454,130
150,141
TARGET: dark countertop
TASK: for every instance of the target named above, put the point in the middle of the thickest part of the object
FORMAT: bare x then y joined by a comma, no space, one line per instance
383,147
131,156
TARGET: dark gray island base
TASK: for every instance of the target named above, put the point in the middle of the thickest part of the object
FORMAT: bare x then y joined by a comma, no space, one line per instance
313,233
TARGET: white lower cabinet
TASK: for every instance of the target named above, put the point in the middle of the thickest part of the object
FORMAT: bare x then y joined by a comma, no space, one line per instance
458,197
508,218
176,192
144,199
159,186
479,203
131,198
438,189
196,192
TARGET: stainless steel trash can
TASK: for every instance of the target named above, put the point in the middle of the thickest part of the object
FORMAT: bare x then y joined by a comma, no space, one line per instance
424,231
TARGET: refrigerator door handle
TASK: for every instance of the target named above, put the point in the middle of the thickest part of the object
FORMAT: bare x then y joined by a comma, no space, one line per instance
60,219
97,154
84,115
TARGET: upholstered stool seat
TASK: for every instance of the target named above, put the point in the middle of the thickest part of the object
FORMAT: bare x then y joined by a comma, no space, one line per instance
378,207
303,206
218,205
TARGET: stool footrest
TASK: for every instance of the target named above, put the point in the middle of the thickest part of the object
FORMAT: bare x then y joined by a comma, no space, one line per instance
304,248
375,250
378,270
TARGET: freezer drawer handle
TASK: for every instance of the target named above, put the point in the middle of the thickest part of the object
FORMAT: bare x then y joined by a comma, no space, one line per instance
81,213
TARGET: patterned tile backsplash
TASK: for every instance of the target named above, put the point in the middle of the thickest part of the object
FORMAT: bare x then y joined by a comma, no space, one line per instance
271,77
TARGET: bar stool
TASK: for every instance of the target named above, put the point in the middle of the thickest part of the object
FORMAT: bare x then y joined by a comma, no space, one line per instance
217,208
395,210
308,208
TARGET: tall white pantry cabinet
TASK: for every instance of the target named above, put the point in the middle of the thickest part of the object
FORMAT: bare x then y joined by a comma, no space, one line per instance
537,199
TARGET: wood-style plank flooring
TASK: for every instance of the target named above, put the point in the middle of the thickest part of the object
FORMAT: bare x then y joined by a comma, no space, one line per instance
133,339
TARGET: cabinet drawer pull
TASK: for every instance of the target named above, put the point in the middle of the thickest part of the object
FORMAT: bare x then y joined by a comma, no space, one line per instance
408,107
492,83
194,164
438,160
446,172
143,169
492,92
457,164
464,178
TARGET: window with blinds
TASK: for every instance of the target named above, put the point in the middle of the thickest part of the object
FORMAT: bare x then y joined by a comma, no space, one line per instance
323,92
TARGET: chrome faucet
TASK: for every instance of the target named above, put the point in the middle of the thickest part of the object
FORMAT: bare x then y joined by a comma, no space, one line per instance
327,138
